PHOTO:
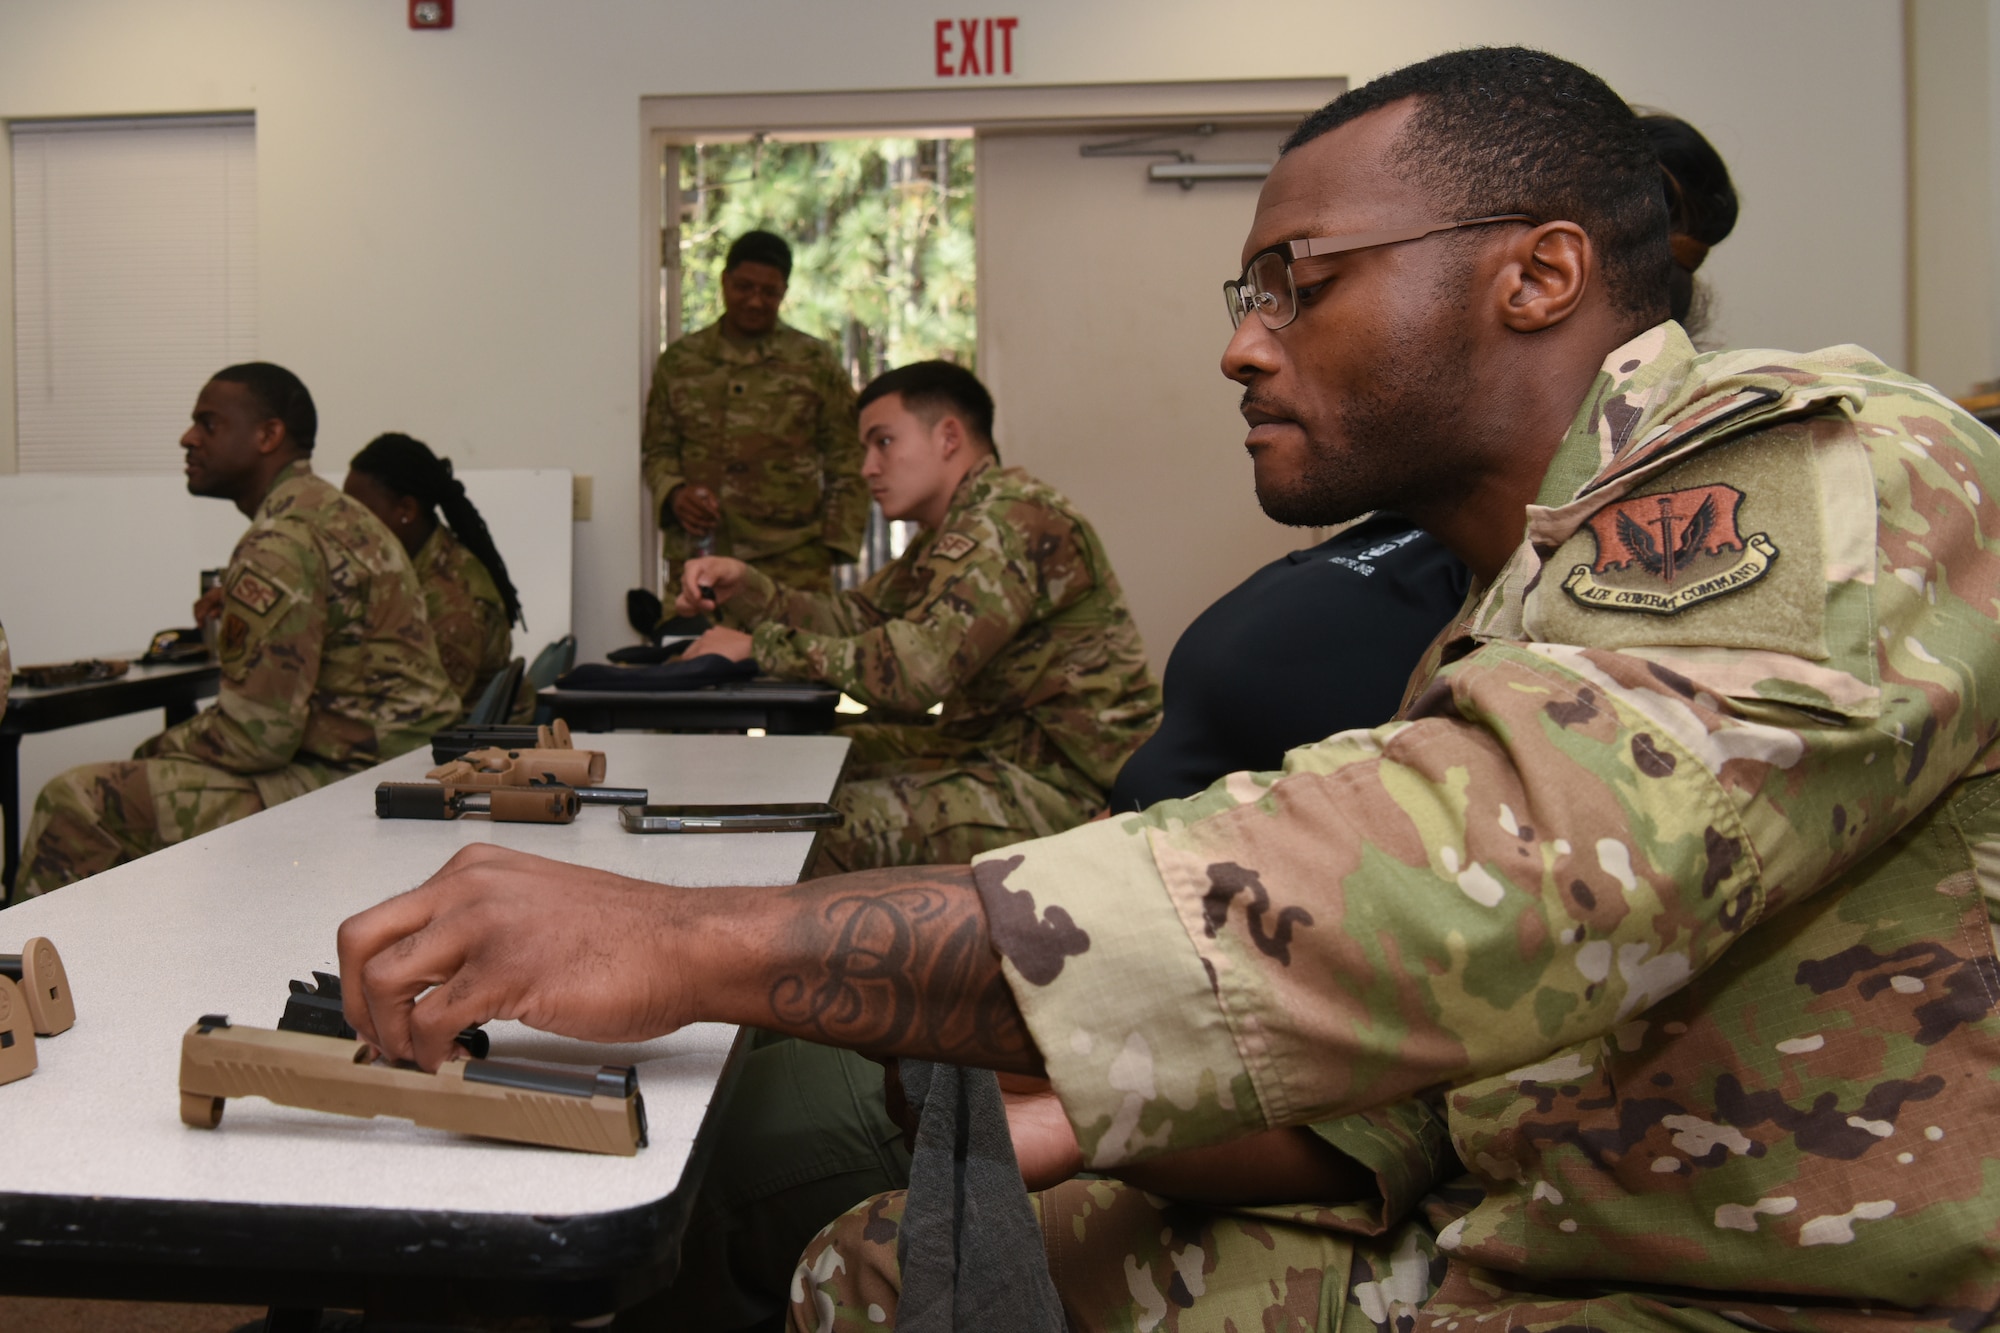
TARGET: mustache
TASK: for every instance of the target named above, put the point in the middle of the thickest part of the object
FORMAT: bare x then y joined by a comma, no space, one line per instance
1261,404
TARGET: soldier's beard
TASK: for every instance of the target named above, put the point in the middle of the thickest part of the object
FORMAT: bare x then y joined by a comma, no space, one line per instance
1399,442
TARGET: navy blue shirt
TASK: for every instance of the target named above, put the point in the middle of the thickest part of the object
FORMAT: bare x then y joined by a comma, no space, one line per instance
1319,642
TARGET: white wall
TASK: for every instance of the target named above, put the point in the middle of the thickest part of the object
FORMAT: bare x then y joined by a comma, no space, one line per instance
449,221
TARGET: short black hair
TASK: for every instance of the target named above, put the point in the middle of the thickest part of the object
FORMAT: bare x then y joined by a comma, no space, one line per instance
760,247
1512,130
280,395
932,388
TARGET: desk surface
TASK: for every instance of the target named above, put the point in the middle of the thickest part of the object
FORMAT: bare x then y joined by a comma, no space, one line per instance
139,689
221,923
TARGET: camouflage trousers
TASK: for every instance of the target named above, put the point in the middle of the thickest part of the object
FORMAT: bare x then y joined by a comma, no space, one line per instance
1125,1261
912,797
96,816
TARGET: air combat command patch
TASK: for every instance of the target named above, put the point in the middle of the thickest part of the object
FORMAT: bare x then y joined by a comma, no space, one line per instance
954,546
1660,554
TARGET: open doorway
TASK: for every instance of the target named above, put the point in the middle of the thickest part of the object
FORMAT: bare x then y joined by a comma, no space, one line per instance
1097,294
884,262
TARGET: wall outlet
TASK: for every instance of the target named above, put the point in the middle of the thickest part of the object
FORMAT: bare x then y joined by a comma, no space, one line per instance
579,497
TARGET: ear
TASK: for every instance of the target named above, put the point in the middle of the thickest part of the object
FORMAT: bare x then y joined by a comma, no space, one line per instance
271,435
407,510
1544,277
950,436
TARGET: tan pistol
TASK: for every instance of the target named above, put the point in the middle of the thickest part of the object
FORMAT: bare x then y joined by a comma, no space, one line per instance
17,1034
589,1110
38,971
506,805
496,767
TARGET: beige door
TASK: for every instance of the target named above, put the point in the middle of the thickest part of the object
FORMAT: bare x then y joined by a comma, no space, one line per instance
1101,336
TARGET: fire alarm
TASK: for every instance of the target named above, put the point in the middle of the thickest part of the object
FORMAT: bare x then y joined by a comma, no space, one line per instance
430,13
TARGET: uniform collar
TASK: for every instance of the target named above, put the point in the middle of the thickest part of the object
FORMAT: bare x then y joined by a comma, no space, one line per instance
288,479
746,354
968,484
432,547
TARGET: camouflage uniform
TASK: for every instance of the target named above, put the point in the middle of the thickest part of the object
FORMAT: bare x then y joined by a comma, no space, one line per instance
328,667
468,617
769,427
1678,872
1009,615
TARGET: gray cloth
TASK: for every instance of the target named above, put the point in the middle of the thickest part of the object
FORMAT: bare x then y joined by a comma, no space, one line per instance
970,1247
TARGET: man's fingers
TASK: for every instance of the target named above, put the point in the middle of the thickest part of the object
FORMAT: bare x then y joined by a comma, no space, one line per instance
364,935
446,1010
393,979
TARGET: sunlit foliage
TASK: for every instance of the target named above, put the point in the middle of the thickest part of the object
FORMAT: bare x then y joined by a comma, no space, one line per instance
881,235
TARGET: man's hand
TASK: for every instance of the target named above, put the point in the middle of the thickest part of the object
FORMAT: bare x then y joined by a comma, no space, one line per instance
733,644
695,508
707,581
208,606
502,934
1045,1146
589,954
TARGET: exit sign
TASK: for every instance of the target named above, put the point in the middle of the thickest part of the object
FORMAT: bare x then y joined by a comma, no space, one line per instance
974,48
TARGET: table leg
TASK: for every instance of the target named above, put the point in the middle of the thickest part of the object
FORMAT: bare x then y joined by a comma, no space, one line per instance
10,812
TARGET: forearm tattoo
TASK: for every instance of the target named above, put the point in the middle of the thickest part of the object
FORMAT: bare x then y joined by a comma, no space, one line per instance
901,963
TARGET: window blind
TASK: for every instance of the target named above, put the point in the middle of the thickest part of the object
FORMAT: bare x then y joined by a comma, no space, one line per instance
135,279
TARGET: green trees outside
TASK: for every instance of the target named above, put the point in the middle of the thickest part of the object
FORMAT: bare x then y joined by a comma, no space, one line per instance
881,236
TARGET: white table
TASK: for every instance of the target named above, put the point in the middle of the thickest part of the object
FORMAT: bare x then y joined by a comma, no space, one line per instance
104,1192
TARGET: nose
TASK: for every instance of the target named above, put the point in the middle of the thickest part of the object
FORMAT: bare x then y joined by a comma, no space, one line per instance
187,438
1252,350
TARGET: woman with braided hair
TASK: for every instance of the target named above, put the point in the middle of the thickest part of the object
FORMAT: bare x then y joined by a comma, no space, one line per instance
467,594
1701,212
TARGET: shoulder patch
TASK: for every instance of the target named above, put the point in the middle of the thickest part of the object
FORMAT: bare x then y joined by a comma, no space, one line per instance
954,546
255,592
1662,553
235,633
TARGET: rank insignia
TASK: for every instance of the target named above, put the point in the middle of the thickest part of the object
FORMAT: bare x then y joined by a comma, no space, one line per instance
255,593
954,546
1661,554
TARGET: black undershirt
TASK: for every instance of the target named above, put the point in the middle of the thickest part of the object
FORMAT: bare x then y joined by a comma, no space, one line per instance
1319,642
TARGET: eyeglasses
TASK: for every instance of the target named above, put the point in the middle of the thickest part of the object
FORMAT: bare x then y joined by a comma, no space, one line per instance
1267,287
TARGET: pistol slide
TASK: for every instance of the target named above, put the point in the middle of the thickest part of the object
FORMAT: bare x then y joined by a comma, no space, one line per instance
589,1110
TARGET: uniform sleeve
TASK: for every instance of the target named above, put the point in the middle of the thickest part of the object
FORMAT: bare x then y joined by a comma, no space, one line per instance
764,603
660,450
1554,839
971,607
461,634
273,631
839,439
1406,1146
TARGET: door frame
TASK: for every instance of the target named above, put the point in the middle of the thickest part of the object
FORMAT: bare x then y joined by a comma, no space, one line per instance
667,122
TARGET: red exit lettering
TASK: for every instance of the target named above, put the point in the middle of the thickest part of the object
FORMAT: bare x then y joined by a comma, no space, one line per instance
966,48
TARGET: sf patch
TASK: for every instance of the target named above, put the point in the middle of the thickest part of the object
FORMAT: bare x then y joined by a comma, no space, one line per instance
1661,554
258,594
954,546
